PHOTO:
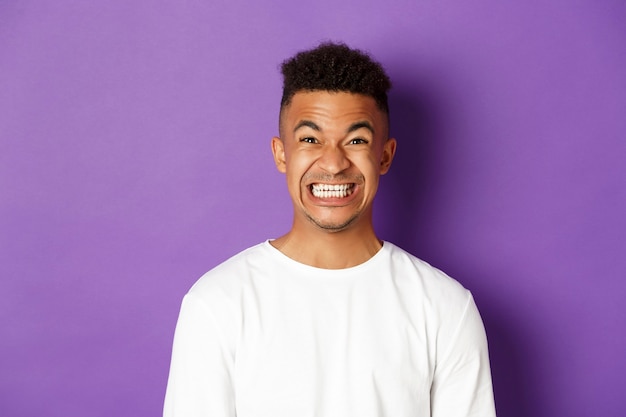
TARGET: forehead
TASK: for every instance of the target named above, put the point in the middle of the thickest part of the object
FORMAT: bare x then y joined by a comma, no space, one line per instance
332,109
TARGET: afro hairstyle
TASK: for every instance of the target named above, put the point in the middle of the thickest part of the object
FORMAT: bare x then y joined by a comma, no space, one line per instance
338,68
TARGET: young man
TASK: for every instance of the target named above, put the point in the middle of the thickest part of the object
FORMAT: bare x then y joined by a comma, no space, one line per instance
328,320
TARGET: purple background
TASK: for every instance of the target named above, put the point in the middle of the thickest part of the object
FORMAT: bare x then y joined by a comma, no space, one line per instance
134,156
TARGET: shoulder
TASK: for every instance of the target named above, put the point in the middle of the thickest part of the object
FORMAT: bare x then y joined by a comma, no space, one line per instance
407,266
442,301
225,280
418,278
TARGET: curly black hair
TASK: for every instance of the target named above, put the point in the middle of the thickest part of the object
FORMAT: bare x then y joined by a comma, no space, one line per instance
335,67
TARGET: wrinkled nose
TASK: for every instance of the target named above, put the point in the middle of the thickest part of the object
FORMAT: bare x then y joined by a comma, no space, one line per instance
333,160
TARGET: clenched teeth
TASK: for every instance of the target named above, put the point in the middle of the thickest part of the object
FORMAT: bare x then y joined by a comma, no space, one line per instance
331,190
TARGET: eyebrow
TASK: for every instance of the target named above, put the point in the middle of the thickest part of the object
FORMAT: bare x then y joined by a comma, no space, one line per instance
360,125
307,123
353,127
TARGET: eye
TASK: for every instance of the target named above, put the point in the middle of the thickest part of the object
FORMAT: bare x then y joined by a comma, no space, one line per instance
358,141
308,139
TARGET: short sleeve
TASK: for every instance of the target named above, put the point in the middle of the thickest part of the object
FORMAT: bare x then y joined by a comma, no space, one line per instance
200,379
462,382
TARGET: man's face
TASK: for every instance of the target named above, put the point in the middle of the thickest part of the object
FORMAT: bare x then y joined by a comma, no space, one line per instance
333,149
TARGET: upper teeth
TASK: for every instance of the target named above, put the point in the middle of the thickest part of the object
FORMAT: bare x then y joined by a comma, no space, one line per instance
331,190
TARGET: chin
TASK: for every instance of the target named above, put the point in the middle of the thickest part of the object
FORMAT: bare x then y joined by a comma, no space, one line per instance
334,226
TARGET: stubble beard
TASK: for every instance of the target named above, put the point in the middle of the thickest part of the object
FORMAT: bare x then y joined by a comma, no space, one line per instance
333,227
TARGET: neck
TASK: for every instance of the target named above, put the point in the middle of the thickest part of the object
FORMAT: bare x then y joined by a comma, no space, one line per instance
329,250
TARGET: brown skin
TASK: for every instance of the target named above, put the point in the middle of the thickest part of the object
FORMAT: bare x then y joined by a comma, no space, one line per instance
334,138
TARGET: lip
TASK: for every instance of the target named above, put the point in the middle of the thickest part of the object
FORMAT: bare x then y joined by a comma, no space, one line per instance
332,187
333,201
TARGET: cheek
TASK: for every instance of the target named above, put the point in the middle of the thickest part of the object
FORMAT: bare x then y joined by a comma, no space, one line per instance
298,164
294,172
368,164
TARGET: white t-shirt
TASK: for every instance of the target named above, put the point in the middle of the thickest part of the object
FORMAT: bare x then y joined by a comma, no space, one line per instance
262,335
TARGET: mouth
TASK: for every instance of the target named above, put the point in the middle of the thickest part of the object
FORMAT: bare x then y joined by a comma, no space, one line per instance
332,190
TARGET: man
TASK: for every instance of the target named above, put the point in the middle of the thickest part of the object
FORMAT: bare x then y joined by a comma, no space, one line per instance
328,320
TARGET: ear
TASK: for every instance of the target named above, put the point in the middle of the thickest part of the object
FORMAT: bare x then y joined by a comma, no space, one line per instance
389,150
278,150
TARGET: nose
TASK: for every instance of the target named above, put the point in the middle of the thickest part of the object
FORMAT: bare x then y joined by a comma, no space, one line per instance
333,160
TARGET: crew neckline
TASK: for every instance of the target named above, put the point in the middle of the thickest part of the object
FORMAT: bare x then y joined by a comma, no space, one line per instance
386,246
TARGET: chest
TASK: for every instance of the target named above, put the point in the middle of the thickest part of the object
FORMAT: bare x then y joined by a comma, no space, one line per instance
338,346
